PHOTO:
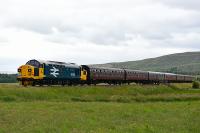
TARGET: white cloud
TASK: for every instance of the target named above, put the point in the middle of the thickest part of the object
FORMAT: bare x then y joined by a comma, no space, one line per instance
95,31
185,4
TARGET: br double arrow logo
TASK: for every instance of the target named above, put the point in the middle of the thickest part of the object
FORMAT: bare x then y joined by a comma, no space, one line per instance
54,72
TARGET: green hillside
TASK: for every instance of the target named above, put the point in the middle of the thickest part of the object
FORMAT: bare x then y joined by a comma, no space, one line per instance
184,63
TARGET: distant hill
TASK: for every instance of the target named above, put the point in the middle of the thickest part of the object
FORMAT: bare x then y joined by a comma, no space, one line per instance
183,63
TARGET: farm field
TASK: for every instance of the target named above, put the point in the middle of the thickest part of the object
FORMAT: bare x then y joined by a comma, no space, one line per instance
82,109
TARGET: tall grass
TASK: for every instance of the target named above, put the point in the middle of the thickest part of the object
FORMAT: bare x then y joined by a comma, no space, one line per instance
99,117
124,93
102,109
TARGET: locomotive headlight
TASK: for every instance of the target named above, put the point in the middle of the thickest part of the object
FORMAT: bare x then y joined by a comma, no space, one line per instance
19,72
29,70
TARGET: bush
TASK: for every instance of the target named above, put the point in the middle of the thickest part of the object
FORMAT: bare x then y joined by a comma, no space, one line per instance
195,84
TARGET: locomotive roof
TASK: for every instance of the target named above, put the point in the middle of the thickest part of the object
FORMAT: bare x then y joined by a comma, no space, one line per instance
54,63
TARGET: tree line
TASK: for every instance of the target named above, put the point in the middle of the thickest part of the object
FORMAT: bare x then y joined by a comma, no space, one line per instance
176,70
8,78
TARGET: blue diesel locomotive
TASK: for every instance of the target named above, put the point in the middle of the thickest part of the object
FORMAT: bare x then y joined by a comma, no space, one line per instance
48,72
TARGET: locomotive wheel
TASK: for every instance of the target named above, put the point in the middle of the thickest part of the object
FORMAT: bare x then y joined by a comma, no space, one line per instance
33,83
25,83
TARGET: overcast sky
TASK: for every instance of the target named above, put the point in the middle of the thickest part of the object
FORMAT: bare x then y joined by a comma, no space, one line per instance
95,31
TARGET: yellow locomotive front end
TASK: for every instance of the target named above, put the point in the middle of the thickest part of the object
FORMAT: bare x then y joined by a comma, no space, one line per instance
25,74
30,73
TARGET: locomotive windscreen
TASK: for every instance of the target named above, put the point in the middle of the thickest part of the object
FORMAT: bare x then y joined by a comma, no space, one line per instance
34,63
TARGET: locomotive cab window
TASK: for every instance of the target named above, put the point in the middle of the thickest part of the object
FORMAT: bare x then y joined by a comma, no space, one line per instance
41,65
34,63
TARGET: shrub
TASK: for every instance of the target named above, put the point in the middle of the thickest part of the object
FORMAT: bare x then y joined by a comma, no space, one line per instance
195,84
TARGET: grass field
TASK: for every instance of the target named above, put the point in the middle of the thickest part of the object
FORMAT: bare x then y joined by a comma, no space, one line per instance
101,109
